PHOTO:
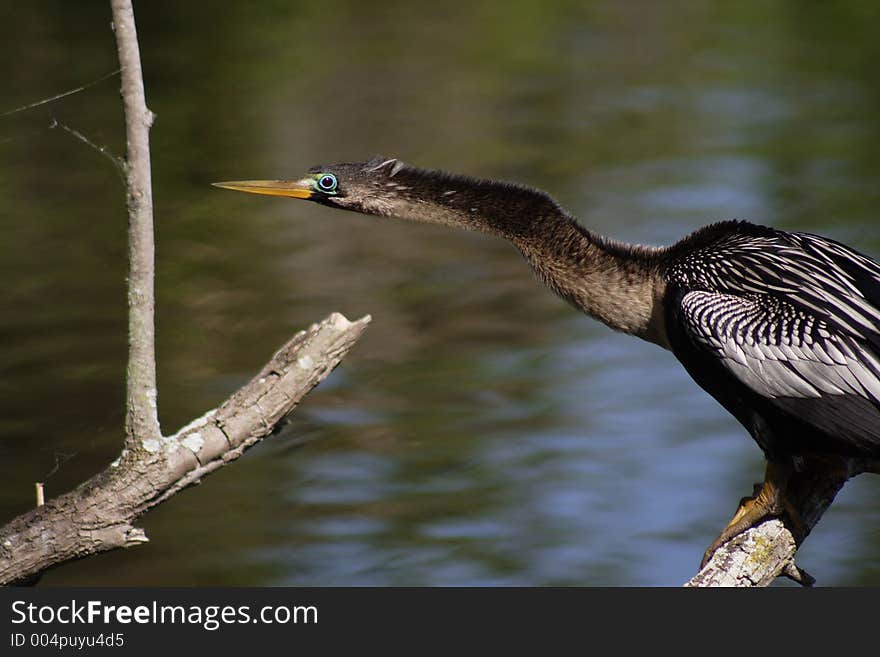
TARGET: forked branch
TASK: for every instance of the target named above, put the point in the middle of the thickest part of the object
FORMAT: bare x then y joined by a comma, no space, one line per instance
97,516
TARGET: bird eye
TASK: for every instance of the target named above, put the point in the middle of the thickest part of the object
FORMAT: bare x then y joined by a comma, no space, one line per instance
327,182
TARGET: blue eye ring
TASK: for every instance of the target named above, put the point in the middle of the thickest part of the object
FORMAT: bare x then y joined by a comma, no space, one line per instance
326,182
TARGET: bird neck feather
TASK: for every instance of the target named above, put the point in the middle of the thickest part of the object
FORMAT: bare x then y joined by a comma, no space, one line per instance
618,284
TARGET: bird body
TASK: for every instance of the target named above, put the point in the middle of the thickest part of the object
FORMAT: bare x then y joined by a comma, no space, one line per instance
782,328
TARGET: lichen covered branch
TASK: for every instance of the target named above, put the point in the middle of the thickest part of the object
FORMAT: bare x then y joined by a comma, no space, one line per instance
767,551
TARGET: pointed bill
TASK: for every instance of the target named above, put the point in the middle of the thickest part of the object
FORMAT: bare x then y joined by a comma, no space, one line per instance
292,188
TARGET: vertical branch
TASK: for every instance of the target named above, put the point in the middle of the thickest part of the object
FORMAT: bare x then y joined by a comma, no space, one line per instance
142,421
97,515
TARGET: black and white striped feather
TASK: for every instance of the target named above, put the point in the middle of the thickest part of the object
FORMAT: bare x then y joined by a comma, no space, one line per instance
793,317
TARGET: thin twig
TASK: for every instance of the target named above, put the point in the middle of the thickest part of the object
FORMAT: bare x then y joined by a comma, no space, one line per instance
118,163
60,459
64,94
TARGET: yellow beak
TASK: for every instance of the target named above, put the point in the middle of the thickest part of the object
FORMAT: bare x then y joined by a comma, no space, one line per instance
292,188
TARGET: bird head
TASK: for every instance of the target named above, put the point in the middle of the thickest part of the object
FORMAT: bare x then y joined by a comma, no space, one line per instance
367,187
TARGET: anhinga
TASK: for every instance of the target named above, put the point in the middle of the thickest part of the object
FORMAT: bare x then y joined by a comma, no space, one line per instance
783,329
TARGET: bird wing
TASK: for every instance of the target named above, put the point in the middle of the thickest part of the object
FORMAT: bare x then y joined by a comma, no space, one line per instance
779,351
825,278
834,282
795,318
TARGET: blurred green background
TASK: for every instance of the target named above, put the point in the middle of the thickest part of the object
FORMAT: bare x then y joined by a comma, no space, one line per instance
482,433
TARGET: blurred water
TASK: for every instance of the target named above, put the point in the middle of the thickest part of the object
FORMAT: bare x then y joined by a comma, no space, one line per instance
482,432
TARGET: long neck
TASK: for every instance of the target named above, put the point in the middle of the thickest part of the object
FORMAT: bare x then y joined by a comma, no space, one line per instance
616,283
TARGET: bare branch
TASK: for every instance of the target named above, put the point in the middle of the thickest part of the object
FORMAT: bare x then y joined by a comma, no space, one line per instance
142,418
97,516
63,94
118,163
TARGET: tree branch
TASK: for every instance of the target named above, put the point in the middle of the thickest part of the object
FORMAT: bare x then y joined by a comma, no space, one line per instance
97,516
767,551
142,418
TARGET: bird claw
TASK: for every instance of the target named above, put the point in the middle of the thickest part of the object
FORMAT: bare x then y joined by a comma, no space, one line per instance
751,510
768,501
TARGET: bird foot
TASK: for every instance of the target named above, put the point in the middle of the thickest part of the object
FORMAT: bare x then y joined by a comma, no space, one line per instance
751,511
768,501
